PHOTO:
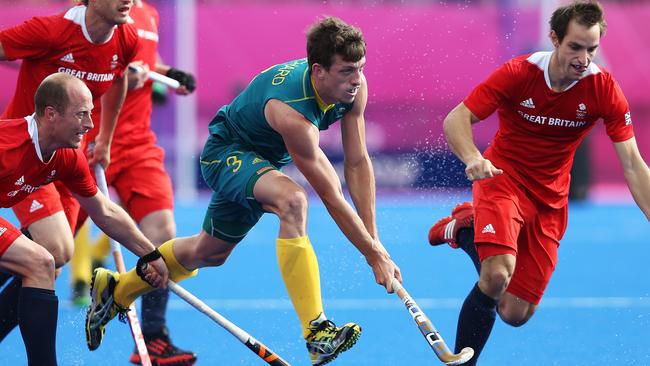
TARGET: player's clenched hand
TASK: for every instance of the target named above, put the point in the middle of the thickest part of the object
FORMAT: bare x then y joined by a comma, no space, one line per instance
138,76
481,168
156,273
383,267
99,153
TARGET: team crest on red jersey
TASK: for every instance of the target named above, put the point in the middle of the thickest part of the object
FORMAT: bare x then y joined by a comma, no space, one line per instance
114,62
581,112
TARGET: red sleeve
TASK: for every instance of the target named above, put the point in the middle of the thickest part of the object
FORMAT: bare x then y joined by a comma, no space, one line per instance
156,16
28,40
76,174
129,43
617,118
493,92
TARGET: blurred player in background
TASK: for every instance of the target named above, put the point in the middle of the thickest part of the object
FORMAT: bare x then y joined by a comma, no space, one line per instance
36,150
274,121
143,186
547,102
93,43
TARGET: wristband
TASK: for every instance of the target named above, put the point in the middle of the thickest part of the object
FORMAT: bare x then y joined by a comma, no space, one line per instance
144,260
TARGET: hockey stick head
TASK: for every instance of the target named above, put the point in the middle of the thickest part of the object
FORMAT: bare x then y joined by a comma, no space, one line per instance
460,358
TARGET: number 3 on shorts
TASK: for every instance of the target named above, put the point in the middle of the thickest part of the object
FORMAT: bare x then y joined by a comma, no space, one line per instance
234,161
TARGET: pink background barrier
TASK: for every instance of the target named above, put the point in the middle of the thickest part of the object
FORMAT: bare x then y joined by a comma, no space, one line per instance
422,60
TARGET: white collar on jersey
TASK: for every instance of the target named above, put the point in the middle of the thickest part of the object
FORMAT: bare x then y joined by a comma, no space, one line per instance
543,61
32,129
77,15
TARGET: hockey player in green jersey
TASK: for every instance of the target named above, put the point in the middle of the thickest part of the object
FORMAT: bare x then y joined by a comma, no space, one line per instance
276,120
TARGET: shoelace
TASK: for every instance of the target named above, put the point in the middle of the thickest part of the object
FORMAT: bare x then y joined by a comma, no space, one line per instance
325,324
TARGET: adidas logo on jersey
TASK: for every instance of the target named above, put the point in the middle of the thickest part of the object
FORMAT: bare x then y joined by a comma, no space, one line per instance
528,103
67,58
2,230
20,181
35,206
488,229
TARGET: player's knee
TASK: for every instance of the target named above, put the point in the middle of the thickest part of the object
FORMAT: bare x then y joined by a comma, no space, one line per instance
495,281
60,246
64,255
158,226
293,207
163,233
39,265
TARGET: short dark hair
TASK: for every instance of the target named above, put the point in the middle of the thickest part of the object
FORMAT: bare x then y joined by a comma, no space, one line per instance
587,13
85,2
53,92
332,36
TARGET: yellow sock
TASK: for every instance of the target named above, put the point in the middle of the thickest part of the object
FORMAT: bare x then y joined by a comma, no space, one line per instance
130,285
80,261
102,248
299,268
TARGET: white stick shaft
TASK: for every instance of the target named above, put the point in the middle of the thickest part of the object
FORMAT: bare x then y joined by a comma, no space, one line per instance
100,177
172,83
205,309
134,324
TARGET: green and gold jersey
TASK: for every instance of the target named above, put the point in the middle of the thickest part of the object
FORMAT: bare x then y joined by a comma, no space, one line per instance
243,120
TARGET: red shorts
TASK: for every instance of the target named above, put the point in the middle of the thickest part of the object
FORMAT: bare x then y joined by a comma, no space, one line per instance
8,234
45,202
140,181
508,221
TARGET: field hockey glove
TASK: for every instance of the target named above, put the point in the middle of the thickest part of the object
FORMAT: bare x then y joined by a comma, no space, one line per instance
144,261
185,78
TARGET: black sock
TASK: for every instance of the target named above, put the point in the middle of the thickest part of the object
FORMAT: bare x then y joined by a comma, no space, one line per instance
475,322
465,241
37,316
9,298
154,307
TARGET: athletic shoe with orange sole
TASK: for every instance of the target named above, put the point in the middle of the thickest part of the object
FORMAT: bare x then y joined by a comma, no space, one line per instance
163,352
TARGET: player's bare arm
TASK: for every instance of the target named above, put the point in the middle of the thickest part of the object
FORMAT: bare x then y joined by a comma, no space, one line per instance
301,138
2,53
458,131
636,173
358,170
115,222
112,102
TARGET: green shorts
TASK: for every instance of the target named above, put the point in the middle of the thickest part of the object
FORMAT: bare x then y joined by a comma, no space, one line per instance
231,170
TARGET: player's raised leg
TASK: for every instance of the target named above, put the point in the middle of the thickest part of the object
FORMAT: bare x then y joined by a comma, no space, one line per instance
299,267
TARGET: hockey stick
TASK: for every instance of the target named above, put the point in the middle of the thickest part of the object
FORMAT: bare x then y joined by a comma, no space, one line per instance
430,332
172,83
134,323
253,344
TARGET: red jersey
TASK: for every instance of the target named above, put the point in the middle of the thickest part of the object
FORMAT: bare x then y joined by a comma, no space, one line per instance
61,43
133,127
540,129
23,171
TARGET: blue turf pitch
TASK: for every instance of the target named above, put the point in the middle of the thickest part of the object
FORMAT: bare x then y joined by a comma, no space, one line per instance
596,310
